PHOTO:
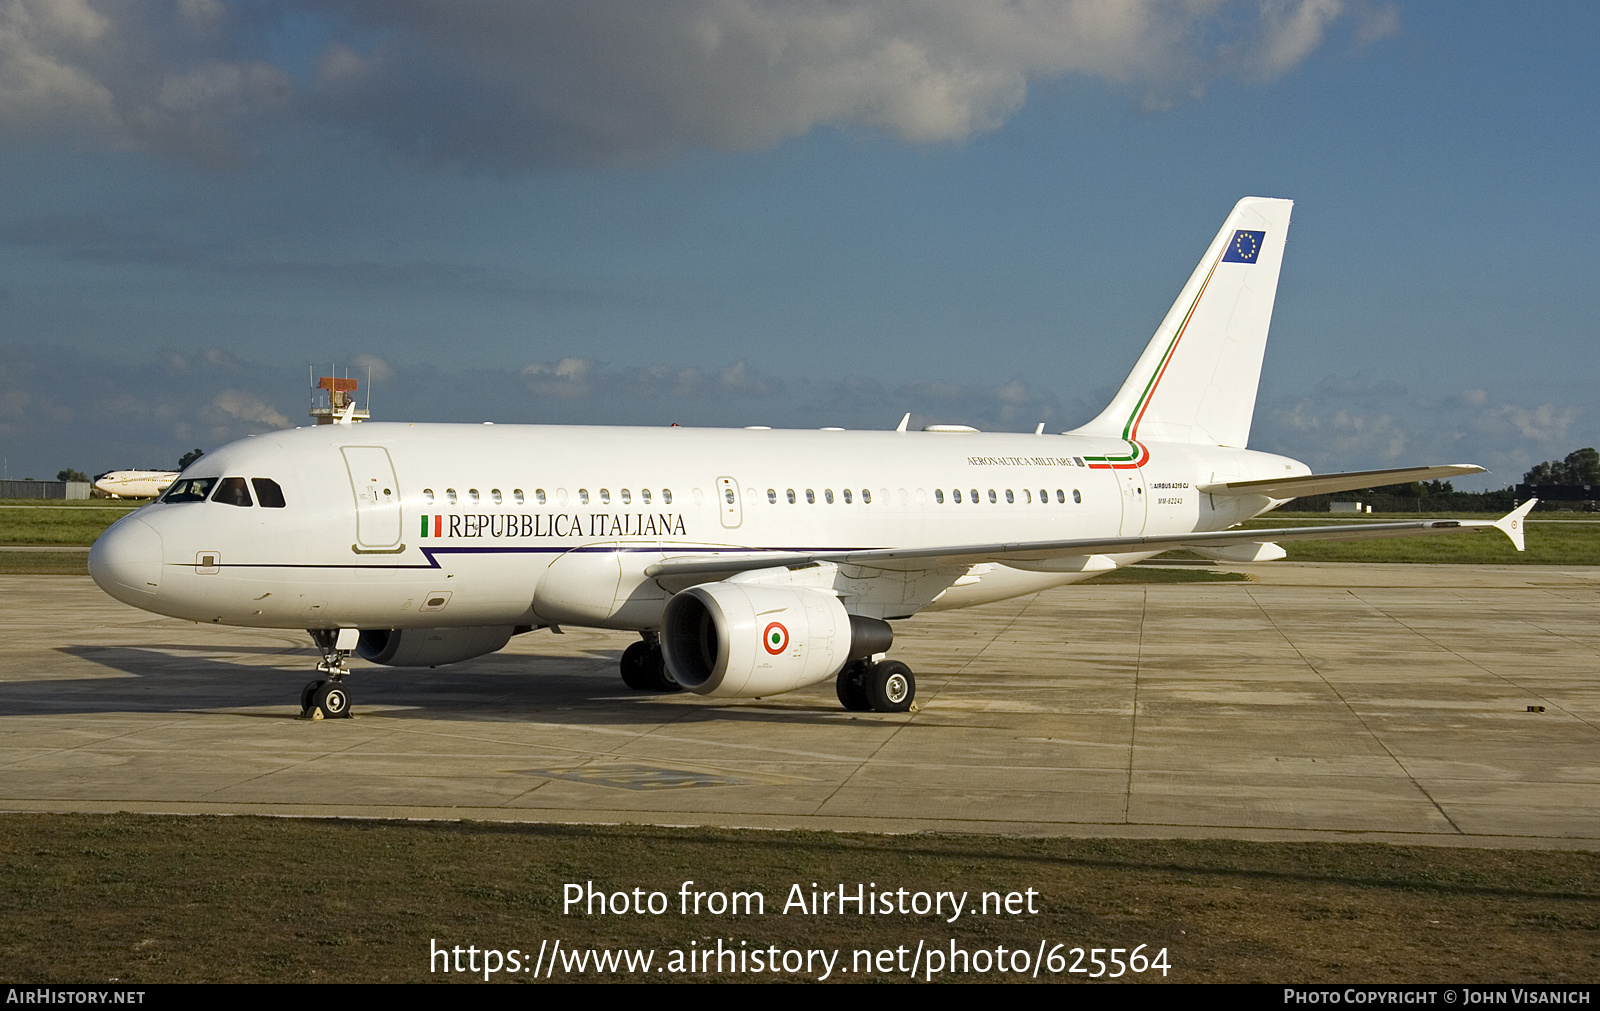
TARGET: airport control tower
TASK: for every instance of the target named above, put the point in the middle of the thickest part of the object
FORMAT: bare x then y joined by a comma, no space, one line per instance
333,400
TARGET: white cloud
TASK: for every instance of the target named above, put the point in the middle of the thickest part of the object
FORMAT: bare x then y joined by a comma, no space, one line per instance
1353,423
580,378
1291,32
526,82
517,83
1546,424
149,76
373,367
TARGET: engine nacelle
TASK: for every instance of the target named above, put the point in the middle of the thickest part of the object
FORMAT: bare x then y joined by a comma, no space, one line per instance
430,647
742,639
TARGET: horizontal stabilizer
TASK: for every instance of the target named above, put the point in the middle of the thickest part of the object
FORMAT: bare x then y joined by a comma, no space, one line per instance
1323,484
1021,554
1515,523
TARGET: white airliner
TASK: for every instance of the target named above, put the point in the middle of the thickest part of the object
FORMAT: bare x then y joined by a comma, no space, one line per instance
134,483
751,562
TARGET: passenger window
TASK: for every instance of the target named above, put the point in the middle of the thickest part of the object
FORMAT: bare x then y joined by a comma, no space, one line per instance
605,496
1044,496
644,496
538,494
1076,498
666,496
427,494
847,496
772,496
727,495
974,496
472,493
626,498
992,499
271,496
494,495
866,496
583,496
232,491
450,495
938,495
1027,496
955,495
811,497
789,494
827,495
1010,498
1060,497
516,496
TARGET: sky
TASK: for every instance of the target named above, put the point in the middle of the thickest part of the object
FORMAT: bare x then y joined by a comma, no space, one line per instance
795,213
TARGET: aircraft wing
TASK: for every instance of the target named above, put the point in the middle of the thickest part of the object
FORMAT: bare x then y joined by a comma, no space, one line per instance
1323,484
1038,551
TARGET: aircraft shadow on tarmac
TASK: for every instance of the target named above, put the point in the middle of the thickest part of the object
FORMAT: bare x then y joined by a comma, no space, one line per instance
576,689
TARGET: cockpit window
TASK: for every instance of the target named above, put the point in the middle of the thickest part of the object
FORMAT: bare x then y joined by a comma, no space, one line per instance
189,489
268,493
232,491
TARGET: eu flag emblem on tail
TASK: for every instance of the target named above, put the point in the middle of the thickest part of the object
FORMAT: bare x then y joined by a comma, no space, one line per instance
1244,247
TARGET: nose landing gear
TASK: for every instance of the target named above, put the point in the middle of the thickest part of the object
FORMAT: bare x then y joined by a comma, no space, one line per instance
328,699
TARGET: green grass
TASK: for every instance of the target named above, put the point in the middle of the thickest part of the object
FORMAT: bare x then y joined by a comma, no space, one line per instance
143,899
44,563
48,522
1552,541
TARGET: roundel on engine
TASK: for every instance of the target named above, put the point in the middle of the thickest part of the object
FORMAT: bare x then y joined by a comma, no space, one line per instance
745,639
776,639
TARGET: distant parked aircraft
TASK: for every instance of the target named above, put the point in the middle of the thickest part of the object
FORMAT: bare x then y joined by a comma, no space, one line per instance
134,483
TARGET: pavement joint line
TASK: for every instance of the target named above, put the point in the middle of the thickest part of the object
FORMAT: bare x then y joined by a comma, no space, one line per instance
1022,605
1133,719
1357,715
1491,673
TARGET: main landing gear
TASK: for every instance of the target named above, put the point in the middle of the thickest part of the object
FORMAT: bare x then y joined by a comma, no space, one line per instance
644,669
886,686
328,699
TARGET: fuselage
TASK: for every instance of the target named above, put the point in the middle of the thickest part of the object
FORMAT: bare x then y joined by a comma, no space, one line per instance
134,483
385,525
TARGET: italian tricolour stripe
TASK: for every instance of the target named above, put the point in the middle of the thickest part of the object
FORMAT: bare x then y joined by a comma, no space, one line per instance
437,522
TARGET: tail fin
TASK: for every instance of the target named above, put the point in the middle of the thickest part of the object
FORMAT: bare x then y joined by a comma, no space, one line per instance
1196,381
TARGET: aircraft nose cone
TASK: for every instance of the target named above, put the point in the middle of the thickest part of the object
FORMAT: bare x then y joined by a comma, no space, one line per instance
126,561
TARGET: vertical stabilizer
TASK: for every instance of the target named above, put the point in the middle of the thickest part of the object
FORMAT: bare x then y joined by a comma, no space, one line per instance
1196,381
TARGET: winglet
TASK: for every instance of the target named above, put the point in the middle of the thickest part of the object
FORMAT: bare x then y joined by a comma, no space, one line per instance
904,422
1513,522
